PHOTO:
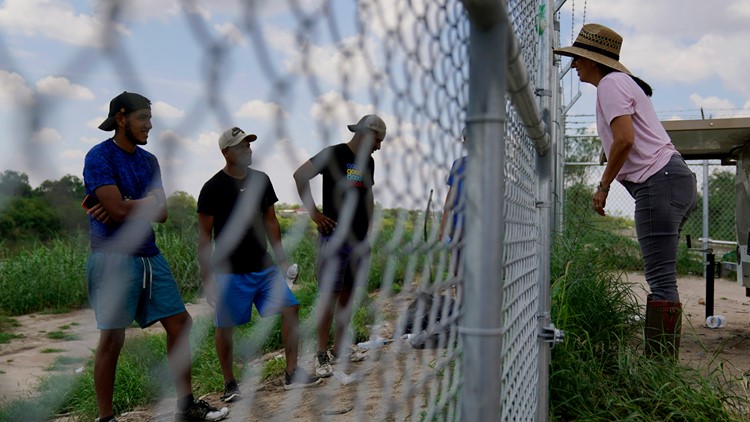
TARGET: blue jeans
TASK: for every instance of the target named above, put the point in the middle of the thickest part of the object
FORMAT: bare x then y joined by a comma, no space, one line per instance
662,205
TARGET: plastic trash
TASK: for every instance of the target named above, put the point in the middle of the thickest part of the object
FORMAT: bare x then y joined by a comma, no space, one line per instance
716,321
345,378
373,343
291,274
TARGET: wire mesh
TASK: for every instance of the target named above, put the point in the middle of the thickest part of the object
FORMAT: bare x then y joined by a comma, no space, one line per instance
296,72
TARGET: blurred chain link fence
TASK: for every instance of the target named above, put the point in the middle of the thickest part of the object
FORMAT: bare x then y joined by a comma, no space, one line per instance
716,184
408,62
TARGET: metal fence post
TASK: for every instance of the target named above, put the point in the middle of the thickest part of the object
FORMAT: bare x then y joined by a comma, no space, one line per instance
480,324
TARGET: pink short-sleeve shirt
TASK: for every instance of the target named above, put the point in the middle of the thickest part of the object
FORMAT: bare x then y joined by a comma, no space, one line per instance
618,95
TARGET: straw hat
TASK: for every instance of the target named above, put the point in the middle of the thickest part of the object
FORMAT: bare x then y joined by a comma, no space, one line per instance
598,43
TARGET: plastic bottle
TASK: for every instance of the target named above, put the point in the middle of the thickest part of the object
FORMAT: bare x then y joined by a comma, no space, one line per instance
373,343
716,321
291,274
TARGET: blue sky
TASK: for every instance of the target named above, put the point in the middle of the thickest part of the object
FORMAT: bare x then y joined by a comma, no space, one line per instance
53,55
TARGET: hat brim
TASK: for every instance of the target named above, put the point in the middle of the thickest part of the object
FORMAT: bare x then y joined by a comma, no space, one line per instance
599,58
109,124
355,129
250,137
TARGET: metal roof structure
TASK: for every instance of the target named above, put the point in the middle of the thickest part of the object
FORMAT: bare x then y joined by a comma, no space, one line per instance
709,138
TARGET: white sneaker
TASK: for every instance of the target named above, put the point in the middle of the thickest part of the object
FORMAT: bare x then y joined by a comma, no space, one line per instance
323,367
356,354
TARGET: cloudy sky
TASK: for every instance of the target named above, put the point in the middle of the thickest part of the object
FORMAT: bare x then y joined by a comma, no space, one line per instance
209,65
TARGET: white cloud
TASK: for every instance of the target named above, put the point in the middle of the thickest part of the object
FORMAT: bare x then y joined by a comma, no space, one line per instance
334,64
55,19
61,87
46,136
259,110
167,111
231,33
711,102
95,122
74,154
90,141
14,91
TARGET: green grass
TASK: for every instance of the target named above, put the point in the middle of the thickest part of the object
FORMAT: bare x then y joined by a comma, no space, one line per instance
599,372
63,363
61,335
45,278
52,350
6,338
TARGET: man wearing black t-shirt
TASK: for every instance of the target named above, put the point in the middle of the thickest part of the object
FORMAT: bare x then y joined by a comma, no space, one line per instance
348,175
236,219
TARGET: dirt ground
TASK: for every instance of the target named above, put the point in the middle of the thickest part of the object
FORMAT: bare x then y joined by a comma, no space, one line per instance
22,362
701,345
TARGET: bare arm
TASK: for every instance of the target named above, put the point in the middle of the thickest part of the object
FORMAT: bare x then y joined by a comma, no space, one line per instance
152,207
624,136
205,251
302,178
273,231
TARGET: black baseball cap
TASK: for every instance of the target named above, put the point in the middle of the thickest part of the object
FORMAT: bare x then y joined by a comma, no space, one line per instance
126,102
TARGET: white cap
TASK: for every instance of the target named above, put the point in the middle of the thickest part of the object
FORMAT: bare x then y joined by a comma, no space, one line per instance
371,122
234,136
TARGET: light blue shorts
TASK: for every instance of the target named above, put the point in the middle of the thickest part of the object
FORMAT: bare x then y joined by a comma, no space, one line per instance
124,288
236,294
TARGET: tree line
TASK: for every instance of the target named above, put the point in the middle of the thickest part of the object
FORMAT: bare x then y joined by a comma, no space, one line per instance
53,209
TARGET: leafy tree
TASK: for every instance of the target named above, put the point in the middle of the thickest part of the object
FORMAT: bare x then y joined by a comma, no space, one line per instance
583,149
64,196
182,212
28,218
721,209
13,183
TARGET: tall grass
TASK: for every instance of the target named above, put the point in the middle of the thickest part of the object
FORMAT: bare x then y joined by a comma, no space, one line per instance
142,367
48,277
599,372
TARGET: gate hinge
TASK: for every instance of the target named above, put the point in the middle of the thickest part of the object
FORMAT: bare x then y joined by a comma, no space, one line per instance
550,334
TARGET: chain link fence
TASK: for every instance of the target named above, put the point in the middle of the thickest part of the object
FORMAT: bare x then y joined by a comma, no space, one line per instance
311,68
716,186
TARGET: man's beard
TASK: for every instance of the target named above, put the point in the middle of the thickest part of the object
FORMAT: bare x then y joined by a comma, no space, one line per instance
131,137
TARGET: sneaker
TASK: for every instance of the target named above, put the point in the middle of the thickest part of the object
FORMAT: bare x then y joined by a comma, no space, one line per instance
300,379
231,392
200,411
109,419
356,354
323,365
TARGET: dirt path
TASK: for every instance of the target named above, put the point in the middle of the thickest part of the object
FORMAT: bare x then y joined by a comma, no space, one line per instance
23,362
700,344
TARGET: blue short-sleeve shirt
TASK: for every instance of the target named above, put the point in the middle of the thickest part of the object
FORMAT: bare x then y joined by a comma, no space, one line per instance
134,174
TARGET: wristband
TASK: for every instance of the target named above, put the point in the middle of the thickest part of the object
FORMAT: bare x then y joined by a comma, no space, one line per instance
601,188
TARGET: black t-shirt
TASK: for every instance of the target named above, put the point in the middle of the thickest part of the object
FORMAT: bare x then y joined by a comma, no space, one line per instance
343,176
241,203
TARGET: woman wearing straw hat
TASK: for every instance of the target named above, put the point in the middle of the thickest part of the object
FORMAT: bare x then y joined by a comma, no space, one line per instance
642,158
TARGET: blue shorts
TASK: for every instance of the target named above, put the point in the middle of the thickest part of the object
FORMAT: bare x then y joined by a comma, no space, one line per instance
236,294
337,266
124,288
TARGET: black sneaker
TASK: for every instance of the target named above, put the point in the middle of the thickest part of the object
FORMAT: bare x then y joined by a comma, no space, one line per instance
200,411
300,379
231,392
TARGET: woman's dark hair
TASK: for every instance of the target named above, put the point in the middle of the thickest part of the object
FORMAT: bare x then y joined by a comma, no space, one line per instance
641,83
